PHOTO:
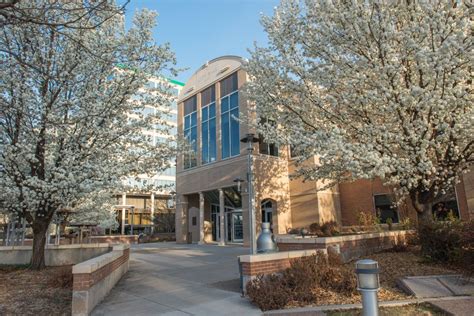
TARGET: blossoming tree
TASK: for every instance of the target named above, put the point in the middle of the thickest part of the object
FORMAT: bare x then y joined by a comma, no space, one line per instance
71,120
375,89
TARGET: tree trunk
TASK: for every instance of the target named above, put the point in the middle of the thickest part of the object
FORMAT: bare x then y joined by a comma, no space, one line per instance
40,227
426,215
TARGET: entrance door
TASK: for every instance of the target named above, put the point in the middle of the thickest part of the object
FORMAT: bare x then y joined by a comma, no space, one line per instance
237,226
234,226
215,220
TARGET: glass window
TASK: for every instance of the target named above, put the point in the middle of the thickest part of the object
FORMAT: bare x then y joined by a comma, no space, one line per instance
208,125
190,131
447,206
234,132
229,84
266,148
385,208
190,105
225,127
230,127
225,104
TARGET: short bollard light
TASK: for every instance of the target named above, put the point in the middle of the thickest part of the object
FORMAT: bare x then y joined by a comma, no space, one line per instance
367,271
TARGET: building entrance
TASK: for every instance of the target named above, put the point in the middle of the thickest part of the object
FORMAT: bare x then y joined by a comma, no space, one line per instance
233,224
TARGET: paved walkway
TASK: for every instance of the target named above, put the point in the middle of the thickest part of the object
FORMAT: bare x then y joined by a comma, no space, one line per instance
437,285
172,279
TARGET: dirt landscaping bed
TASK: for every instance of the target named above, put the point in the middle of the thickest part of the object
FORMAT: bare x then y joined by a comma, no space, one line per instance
338,281
26,292
393,265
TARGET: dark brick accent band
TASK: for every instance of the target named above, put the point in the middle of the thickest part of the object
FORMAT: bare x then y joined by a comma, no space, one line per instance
84,281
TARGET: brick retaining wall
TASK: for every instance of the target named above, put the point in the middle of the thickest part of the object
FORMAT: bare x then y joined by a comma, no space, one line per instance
93,279
253,265
349,246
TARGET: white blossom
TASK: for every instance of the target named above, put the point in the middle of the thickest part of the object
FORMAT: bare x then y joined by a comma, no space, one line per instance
375,89
69,126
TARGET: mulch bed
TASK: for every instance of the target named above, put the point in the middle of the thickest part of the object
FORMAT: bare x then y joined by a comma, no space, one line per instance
392,266
26,292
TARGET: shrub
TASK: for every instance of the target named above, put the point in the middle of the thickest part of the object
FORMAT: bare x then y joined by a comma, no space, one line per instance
367,219
405,223
440,241
389,222
330,229
299,282
466,258
293,231
315,228
268,292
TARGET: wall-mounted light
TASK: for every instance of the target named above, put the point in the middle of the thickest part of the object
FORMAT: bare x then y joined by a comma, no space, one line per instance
239,182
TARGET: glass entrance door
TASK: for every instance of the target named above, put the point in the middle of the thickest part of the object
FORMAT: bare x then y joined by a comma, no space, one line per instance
234,226
215,220
237,225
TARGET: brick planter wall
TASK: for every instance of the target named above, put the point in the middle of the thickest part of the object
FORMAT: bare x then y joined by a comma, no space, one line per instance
253,265
349,246
93,279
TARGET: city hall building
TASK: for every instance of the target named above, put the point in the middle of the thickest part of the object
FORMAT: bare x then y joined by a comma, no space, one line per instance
211,178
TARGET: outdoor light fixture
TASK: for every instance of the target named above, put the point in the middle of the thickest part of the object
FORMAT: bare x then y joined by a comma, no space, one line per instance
250,139
368,284
239,183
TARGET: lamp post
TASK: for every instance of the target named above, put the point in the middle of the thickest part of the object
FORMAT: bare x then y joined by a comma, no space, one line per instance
250,139
368,284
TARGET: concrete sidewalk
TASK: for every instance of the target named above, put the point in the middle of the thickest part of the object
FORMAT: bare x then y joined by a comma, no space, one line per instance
436,285
173,279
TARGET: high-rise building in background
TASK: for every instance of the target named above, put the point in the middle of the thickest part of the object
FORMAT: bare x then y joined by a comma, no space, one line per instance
159,203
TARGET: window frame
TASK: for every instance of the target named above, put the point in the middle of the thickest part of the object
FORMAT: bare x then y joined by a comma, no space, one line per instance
190,159
206,122
228,113
396,210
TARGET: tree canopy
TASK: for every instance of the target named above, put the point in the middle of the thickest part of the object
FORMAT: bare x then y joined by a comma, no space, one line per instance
374,89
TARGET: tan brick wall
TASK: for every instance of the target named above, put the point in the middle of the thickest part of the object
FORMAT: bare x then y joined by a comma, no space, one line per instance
84,281
358,196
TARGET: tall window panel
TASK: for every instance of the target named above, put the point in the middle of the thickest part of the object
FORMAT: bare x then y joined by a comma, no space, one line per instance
229,117
208,125
190,131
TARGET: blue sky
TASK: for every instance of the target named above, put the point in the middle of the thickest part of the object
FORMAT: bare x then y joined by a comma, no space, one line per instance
200,30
